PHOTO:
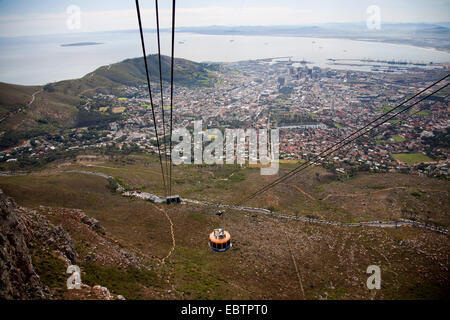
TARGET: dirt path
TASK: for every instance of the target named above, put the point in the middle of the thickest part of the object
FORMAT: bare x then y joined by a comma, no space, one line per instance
361,194
172,233
353,195
295,265
302,191
112,168
163,260
33,96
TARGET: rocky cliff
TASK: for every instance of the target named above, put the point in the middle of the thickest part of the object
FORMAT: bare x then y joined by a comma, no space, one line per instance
28,236
18,279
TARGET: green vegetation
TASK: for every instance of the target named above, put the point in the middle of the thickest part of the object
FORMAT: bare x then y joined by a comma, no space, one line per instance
416,194
412,158
50,111
50,269
412,111
132,72
420,113
286,90
398,138
118,109
95,119
385,109
283,117
128,283
195,273
14,96
237,177
196,217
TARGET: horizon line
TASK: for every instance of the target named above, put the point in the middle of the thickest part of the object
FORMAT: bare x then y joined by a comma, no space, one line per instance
222,26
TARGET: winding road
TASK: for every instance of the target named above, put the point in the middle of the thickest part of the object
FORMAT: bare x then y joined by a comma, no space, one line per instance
33,96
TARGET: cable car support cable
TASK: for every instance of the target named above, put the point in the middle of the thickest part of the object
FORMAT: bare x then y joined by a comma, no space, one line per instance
150,92
171,94
161,87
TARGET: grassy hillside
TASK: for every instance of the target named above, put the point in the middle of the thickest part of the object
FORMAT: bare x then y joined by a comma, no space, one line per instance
186,73
13,96
23,117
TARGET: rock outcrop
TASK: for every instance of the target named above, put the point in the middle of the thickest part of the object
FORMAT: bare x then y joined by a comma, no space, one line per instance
26,234
22,230
18,279
48,237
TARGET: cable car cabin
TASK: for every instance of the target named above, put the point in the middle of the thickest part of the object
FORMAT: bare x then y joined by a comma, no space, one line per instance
220,240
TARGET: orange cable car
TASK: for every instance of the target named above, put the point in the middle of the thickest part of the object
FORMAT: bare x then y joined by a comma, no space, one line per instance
220,240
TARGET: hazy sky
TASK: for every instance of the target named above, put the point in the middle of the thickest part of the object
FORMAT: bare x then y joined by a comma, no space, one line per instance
19,17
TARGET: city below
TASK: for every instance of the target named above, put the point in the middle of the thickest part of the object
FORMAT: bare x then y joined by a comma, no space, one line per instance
312,107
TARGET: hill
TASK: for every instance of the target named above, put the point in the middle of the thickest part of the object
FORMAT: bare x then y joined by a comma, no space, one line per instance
131,72
30,111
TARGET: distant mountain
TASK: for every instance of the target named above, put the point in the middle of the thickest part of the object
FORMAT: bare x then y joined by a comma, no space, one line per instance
418,34
57,105
254,30
326,28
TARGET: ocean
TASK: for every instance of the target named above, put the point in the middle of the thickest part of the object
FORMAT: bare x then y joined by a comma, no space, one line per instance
37,60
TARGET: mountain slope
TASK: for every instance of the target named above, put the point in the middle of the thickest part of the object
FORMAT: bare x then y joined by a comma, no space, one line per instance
260,263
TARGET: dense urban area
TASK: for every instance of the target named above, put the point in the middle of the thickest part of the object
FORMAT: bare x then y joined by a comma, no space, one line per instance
313,108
